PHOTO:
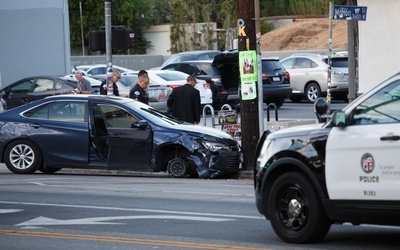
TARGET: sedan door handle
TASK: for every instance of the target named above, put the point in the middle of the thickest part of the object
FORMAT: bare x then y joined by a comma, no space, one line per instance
390,138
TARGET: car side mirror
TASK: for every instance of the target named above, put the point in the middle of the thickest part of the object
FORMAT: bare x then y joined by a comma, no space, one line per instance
142,125
339,119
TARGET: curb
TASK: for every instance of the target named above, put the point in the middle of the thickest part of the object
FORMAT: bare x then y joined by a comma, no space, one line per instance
243,174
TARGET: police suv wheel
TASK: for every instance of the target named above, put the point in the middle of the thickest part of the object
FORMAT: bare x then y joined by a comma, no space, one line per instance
295,211
22,157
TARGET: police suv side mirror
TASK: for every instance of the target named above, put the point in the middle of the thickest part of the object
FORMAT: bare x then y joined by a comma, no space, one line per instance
321,107
339,119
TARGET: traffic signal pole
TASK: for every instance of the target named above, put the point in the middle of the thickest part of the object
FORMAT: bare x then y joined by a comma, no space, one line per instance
249,109
107,13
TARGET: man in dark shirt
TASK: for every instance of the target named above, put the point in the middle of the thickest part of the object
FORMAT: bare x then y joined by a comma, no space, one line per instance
185,102
138,92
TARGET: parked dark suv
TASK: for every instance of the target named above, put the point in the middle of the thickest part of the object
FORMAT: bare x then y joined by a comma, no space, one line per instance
223,75
223,92
276,81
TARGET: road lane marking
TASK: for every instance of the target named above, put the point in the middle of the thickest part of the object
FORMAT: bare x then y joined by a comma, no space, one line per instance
134,210
7,211
44,221
38,183
136,241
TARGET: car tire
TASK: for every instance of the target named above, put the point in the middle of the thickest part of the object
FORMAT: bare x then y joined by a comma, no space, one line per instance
177,167
295,210
279,102
296,98
22,157
313,92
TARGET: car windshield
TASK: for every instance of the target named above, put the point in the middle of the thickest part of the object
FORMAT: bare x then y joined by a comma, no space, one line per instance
128,80
151,114
161,117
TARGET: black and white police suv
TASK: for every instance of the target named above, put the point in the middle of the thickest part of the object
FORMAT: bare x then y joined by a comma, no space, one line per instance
344,170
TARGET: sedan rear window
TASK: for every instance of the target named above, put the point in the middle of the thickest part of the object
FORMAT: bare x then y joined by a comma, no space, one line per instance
339,62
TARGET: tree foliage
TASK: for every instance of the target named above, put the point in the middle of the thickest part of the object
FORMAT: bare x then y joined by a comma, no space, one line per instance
296,7
139,14
133,14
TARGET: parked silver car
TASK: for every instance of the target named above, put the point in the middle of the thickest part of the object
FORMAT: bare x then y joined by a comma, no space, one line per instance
309,73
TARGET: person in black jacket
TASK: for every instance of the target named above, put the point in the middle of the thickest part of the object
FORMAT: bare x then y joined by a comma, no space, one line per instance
185,103
138,92
114,79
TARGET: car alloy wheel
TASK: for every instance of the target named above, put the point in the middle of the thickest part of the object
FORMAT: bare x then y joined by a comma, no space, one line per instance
312,92
22,157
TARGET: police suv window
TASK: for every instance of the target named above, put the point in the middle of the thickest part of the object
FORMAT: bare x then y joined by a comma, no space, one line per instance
382,107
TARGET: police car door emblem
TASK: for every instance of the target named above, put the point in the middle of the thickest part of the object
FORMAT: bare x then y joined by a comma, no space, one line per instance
367,163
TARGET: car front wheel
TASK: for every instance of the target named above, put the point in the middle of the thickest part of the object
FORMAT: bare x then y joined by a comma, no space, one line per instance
313,92
295,211
177,167
22,157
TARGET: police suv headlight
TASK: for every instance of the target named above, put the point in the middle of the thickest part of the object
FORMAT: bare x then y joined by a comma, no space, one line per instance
214,146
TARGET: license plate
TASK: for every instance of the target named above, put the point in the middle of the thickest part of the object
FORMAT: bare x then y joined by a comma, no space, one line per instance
276,79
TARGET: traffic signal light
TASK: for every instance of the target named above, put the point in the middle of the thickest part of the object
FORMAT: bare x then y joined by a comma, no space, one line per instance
122,39
97,40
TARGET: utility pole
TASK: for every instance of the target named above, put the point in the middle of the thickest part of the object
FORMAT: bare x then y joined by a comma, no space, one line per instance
249,110
352,48
107,13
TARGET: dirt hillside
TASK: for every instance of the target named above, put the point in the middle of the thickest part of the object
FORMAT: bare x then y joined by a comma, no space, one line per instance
305,34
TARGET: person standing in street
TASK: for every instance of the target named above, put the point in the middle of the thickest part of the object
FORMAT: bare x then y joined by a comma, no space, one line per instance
84,86
138,92
185,103
114,79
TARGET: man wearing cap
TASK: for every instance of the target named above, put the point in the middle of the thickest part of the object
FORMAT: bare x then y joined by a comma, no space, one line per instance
185,103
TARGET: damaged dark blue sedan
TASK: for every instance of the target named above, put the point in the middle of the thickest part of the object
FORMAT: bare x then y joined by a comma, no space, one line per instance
111,133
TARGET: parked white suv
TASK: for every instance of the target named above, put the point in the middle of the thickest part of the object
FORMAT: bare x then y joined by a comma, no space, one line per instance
309,73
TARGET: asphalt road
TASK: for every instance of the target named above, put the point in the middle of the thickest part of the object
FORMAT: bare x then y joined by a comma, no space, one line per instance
90,210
